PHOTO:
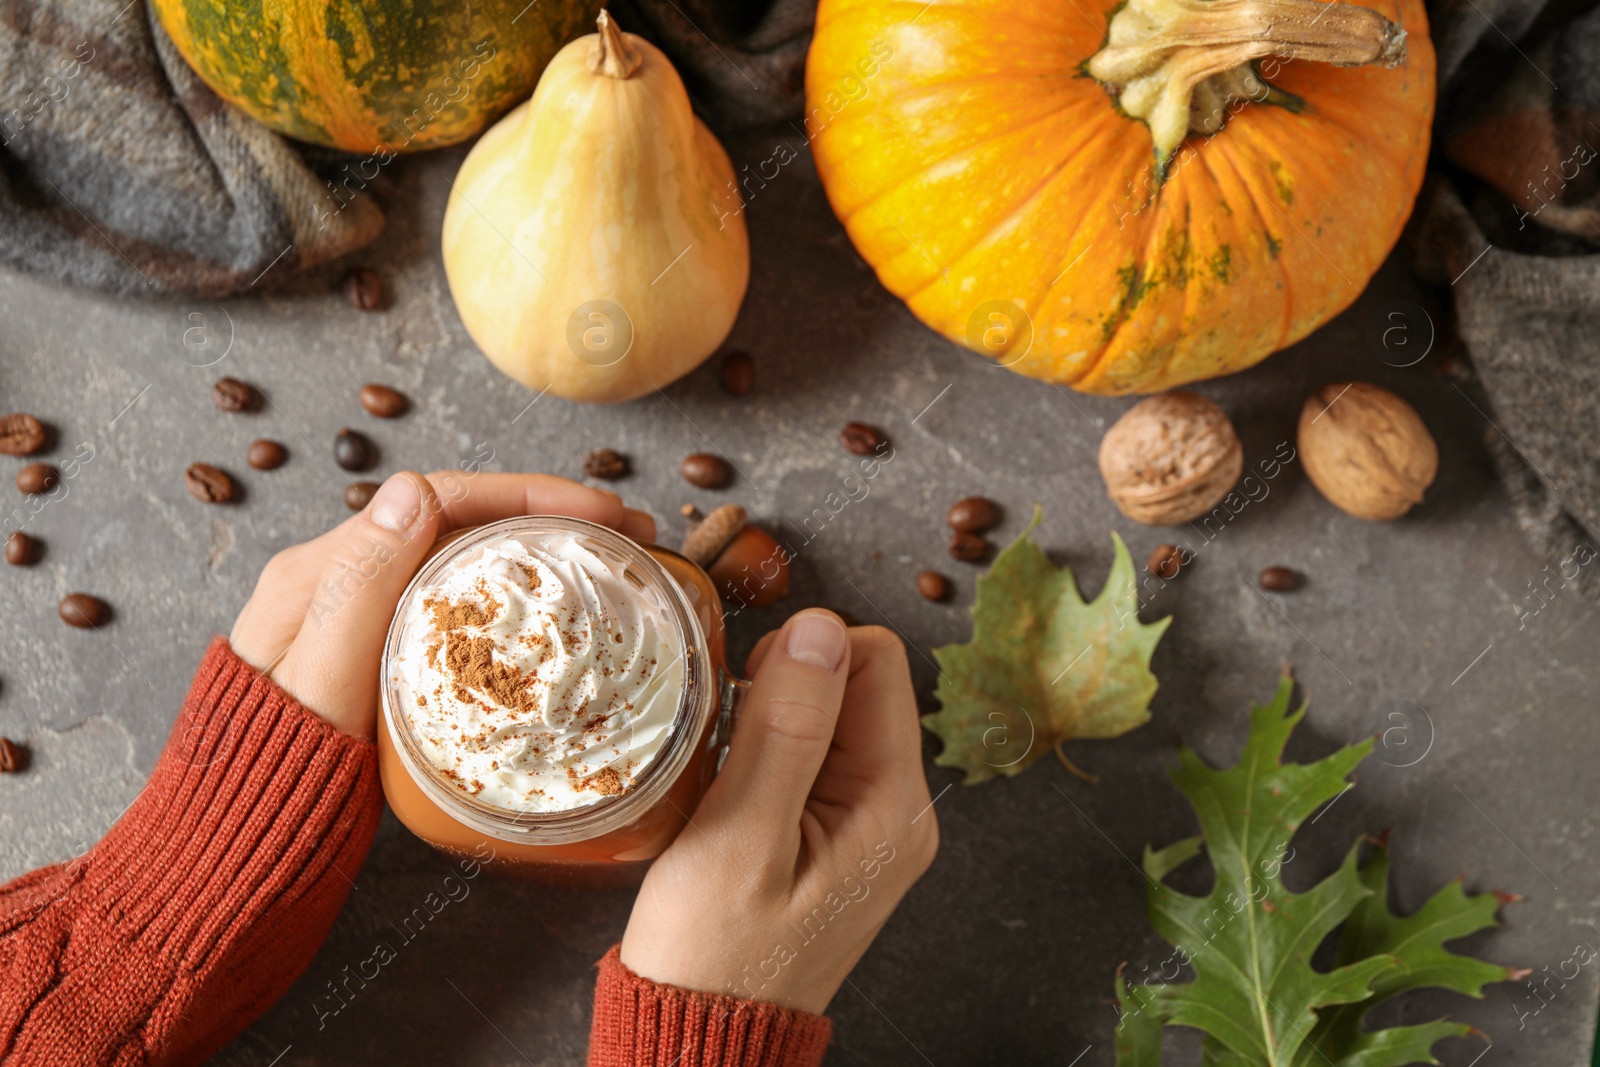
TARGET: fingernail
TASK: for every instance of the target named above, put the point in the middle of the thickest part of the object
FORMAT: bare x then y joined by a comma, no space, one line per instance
397,503
817,640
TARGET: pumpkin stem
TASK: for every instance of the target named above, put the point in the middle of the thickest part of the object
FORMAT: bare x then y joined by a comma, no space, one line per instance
1183,65
612,55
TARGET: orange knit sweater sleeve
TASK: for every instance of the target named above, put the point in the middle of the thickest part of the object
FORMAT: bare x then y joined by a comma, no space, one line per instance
208,897
213,892
638,1023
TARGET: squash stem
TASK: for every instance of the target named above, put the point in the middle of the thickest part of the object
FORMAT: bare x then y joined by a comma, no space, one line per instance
1183,66
613,56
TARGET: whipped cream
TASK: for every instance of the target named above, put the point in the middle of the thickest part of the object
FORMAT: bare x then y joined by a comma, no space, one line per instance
536,675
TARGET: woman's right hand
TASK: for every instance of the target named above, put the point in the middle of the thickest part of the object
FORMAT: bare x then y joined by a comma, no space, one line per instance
815,828
319,615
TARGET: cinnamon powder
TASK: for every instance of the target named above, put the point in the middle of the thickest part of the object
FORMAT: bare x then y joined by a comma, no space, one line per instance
471,663
605,781
449,616
469,659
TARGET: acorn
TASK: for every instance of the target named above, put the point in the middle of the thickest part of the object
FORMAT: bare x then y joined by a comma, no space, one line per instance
748,565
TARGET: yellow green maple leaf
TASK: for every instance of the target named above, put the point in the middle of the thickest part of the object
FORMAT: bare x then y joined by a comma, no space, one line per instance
1043,666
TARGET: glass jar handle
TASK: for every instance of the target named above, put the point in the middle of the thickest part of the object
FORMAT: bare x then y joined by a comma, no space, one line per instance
732,692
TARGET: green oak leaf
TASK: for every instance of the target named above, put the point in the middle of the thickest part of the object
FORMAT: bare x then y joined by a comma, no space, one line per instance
1043,666
1249,942
1418,941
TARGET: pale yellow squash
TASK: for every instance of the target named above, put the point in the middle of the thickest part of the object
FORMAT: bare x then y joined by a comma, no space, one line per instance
594,239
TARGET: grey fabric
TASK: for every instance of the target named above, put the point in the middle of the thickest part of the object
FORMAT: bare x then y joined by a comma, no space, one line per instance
1528,125
121,171
1530,325
1510,222
1458,27
744,63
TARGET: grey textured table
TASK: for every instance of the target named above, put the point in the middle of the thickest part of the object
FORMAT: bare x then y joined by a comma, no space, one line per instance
1005,952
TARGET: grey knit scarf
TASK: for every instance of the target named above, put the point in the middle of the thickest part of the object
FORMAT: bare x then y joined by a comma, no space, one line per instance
1509,225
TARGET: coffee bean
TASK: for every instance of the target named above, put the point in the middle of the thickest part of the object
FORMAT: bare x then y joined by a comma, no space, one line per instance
21,549
933,585
37,478
1280,580
207,484
968,547
738,373
230,394
363,289
861,439
82,610
605,463
706,471
358,495
21,434
352,451
1165,562
973,514
381,401
265,455
13,757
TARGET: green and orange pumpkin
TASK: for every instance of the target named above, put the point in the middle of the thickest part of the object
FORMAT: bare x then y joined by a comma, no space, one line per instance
373,75
1122,195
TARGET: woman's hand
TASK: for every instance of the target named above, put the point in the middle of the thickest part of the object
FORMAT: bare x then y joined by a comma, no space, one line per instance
816,826
319,615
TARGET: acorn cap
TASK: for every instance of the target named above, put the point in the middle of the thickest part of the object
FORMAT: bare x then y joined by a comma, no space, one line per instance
706,541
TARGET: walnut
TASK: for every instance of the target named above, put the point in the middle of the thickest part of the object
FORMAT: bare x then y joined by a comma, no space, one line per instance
1170,458
1366,450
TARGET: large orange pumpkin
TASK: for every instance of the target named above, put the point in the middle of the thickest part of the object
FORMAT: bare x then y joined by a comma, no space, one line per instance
1121,195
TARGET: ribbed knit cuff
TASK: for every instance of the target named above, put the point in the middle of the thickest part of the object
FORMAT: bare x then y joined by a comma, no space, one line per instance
256,807
638,1023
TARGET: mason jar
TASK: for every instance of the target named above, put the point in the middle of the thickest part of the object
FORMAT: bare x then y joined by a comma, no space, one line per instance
435,781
